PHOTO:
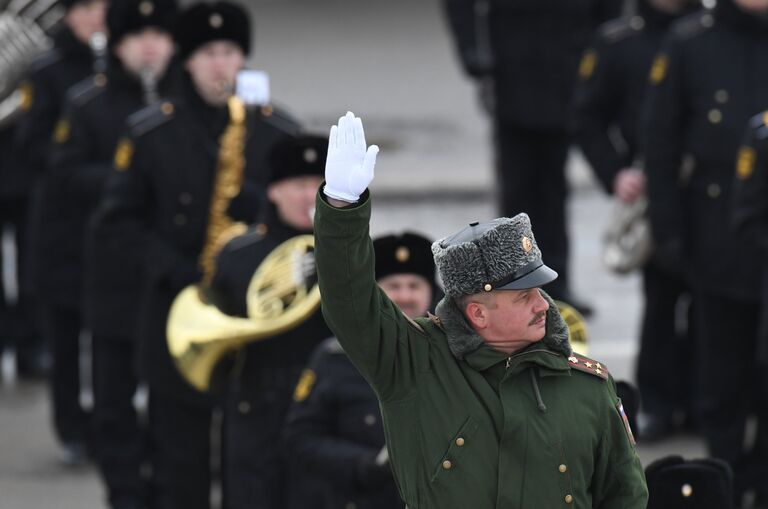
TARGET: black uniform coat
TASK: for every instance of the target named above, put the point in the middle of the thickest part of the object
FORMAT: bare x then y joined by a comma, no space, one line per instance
535,46
50,77
750,206
94,116
334,429
260,392
157,204
612,85
709,79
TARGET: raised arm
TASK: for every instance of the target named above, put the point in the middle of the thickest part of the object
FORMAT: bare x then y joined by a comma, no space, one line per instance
372,330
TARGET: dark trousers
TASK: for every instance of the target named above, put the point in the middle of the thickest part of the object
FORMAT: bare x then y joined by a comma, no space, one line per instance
665,365
733,387
61,329
120,442
530,167
180,452
16,316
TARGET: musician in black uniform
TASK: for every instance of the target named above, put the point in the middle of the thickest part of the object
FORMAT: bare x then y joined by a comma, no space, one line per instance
158,203
710,77
525,54
141,46
334,434
51,281
266,372
609,98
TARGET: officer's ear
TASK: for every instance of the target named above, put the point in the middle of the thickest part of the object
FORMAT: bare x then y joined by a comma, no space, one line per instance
476,313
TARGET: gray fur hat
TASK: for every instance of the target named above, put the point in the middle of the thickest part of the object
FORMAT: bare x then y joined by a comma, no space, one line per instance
500,254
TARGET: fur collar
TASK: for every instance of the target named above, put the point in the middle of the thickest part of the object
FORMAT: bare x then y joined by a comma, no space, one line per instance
462,338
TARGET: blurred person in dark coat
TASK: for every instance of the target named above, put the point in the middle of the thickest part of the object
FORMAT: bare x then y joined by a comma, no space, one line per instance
260,387
708,80
159,203
609,98
51,280
525,55
334,433
141,46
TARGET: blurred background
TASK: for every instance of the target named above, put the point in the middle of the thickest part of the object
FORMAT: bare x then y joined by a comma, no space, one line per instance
393,64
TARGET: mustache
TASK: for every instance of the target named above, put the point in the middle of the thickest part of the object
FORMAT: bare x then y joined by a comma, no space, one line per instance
537,317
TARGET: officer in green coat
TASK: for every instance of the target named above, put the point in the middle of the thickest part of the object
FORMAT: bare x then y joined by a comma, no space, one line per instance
484,405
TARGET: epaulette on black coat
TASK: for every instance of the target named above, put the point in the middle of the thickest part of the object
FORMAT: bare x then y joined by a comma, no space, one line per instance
332,346
280,120
84,91
617,30
46,59
149,117
693,25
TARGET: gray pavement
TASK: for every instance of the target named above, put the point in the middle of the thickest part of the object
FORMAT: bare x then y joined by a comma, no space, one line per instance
391,63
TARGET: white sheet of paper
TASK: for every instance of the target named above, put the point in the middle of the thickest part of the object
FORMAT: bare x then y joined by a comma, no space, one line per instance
253,87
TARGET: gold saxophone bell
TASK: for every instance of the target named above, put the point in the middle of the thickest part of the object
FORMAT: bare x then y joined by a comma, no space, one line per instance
282,294
577,327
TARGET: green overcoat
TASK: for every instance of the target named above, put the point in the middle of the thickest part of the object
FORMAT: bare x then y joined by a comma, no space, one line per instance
475,429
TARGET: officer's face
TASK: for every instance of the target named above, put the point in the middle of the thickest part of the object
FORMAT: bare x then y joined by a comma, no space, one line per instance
294,199
87,18
150,48
410,292
509,320
214,67
753,6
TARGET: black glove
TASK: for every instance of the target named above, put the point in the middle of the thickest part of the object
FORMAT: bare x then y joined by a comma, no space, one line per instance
371,474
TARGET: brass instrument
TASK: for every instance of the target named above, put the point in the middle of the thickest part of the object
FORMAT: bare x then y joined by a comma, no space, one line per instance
577,327
627,241
283,291
148,80
229,180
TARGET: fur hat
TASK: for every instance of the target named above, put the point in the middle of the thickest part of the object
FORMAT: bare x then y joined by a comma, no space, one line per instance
408,253
128,16
675,483
500,254
296,157
206,22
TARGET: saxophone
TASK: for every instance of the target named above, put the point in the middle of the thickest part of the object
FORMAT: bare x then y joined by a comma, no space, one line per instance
229,180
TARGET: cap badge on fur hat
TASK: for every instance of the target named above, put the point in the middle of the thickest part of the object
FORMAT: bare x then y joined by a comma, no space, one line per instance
146,8
216,21
310,155
527,244
402,254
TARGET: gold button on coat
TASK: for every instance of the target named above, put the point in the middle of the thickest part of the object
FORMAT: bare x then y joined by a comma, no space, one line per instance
460,441
715,116
447,465
563,469
568,499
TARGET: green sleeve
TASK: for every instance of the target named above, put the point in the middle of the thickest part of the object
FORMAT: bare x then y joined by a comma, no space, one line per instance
374,333
619,480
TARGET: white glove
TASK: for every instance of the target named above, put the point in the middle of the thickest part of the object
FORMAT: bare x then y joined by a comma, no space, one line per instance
350,162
